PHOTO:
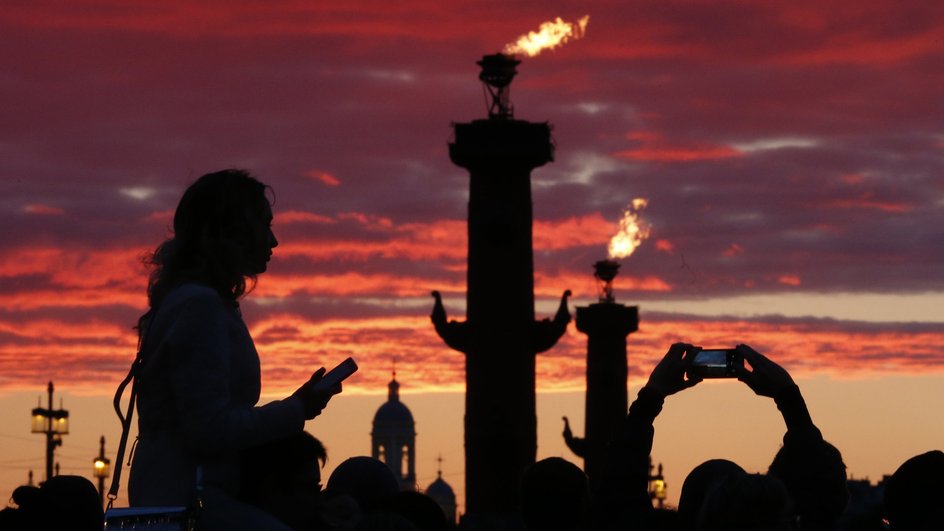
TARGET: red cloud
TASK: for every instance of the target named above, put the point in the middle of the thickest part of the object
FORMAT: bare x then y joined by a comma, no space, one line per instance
323,177
75,268
589,230
414,241
551,285
869,202
653,147
858,47
296,216
665,246
803,347
86,354
43,210
45,298
351,284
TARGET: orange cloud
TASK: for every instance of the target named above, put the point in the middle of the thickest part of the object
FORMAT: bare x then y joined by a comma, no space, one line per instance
589,230
322,177
295,216
653,147
413,241
293,346
441,239
352,283
43,298
551,285
789,280
76,268
93,355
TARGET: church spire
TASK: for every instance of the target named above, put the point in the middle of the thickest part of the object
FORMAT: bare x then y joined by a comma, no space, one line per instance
393,437
393,387
393,394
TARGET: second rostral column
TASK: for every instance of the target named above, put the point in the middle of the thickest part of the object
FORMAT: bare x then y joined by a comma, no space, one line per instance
500,336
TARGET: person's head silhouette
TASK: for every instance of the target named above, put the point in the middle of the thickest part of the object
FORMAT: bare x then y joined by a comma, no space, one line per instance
222,235
747,502
913,494
815,476
284,478
554,495
62,502
698,484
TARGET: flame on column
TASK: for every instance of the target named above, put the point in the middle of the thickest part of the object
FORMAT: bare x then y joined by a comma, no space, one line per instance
632,231
550,35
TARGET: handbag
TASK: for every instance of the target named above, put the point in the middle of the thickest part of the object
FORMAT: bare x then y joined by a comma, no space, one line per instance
150,518
143,518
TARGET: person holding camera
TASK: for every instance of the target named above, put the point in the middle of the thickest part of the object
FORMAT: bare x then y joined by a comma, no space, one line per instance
810,468
621,496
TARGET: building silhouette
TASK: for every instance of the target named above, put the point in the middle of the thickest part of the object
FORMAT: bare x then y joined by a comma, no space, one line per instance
393,437
442,493
500,336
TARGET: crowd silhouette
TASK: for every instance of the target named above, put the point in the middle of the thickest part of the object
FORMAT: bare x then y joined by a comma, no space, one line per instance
206,446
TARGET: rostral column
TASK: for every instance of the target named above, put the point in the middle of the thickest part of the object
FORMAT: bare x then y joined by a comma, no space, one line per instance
500,336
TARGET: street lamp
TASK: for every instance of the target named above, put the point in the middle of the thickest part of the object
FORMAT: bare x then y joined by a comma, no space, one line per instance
657,486
101,467
54,423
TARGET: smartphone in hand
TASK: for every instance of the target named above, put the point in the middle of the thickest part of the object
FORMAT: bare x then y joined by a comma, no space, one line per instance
337,374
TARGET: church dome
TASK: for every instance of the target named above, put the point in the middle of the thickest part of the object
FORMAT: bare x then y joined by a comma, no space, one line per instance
440,490
393,415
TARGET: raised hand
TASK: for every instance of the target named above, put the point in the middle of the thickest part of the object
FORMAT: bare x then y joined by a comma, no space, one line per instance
764,377
313,397
668,377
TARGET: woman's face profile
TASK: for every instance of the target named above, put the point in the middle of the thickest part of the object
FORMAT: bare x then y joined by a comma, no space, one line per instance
260,242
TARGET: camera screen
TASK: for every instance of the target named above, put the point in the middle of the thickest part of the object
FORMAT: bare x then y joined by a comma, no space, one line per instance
711,358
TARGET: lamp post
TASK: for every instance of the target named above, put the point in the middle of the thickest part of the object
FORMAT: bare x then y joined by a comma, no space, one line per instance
54,423
101,466
657,486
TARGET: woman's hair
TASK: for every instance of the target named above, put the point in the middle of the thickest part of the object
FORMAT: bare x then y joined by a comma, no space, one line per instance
212,228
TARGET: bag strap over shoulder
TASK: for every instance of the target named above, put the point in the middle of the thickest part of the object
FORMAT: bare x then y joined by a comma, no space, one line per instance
125,425
126,418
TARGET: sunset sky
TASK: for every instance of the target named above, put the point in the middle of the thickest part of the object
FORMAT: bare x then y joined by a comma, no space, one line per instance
792,155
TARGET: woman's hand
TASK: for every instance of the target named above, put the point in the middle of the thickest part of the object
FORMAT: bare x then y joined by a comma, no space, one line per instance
314,397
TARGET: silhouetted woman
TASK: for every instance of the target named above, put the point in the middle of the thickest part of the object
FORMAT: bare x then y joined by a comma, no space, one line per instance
200,380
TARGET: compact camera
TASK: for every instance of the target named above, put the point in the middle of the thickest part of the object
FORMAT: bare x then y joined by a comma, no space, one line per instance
715,363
